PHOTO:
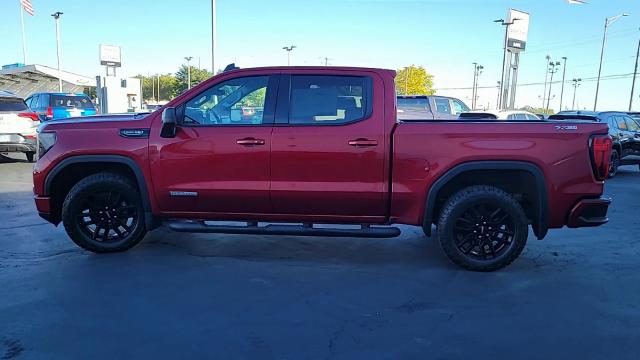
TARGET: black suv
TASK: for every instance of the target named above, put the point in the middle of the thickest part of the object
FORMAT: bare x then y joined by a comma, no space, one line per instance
624,130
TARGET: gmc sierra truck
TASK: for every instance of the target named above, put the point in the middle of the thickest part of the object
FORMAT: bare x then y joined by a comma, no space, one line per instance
308,151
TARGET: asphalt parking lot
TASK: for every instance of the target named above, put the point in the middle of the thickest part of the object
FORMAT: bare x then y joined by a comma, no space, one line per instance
575,295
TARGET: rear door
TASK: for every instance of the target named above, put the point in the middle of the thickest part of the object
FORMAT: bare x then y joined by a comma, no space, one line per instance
634,130
442,108
328,152
218,162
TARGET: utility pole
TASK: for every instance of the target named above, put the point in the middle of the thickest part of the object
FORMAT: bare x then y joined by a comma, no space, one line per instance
607,23
56,16
576,83
546,76
564,72
188,58
635,72
553,68
498,99
325,60
213,37
288,49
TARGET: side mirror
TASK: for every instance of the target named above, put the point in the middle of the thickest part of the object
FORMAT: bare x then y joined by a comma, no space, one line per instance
168,123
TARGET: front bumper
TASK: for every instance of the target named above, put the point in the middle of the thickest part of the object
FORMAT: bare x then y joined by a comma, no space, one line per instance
43,205
589,212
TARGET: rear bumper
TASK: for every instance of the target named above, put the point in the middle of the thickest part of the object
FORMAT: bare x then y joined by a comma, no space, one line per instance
589,212
18,147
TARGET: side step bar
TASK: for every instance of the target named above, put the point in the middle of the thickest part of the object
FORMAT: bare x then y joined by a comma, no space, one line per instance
277,229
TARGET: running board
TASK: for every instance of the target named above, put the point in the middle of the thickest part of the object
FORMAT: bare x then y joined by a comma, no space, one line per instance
277,229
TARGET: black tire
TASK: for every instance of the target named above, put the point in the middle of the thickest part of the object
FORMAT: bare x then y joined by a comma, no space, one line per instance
614,164
103,213
501,229
30,155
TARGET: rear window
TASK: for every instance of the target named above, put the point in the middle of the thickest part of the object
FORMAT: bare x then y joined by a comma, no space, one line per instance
329,100
12,104
71,101
413,104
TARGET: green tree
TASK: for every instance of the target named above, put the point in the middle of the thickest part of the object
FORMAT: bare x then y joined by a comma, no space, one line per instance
414,80
197,76
150,87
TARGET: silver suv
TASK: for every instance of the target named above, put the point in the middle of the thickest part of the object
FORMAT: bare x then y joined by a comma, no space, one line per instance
18,126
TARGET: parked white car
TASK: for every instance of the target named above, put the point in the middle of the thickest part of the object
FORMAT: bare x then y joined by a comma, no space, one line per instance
18,126
508,115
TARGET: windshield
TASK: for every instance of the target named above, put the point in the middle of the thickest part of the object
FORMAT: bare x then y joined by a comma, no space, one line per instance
71,101
12,104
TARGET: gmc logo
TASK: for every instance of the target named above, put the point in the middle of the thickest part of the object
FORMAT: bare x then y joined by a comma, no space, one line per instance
566,127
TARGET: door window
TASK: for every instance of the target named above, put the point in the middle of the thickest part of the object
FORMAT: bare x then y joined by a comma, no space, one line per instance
328,100
521,116
239,101
632,125
443,105
459,106
622,125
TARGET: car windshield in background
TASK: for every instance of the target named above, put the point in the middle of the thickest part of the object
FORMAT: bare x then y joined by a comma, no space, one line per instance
12,104
71,101
413,104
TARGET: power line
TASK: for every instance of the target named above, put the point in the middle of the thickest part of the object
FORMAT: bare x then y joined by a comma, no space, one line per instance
589,79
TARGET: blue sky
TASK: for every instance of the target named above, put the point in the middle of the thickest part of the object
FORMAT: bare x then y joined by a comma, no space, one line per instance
445,37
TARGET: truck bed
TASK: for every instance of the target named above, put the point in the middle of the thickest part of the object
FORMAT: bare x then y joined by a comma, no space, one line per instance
424,151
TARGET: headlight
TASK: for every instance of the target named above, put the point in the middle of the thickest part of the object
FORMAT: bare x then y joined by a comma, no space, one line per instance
46,140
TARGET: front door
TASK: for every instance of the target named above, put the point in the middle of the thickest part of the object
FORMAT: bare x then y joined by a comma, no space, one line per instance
218,162
328,147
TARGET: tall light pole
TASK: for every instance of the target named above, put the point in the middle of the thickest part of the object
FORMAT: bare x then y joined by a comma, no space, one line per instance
289,49
564,72
504,56
546,76
188,58
477,70
553,68
56,16
498,99
635,72
576,83
213,37
607,23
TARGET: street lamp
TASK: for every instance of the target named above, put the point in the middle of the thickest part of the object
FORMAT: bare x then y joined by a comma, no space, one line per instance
607,23
546,77
504,55
56,16
289,49
576,83
553,68
564,72
477,70
188,58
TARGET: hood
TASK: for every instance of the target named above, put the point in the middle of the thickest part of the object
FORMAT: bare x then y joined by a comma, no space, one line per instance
70,122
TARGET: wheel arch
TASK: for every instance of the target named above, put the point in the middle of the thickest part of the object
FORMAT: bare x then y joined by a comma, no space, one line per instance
99,161
540,205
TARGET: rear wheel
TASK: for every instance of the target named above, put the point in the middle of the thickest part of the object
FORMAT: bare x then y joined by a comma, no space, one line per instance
103,213
30,155
482,228
614,164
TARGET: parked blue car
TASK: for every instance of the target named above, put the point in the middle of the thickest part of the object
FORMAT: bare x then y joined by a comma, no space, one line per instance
60,105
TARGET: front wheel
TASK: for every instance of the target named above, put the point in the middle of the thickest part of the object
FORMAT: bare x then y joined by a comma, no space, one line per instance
482,228
103,213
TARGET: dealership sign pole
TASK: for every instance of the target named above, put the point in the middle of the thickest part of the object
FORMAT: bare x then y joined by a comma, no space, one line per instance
517,33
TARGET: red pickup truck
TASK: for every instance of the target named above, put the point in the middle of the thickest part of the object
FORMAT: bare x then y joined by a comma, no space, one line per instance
299,148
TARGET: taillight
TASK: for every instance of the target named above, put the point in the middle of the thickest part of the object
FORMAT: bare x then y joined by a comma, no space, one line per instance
50,112
31,115
600,151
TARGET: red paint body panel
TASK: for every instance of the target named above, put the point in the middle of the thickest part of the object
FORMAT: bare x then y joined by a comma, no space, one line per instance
312,173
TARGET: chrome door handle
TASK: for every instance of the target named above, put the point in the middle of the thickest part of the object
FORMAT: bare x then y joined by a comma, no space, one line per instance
250,142
363,142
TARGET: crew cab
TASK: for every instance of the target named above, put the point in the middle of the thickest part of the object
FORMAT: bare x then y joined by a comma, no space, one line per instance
323,148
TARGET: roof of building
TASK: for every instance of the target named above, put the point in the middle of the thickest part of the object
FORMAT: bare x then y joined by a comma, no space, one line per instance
28,79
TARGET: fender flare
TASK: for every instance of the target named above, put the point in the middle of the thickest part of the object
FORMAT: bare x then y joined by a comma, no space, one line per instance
120,159
540,224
